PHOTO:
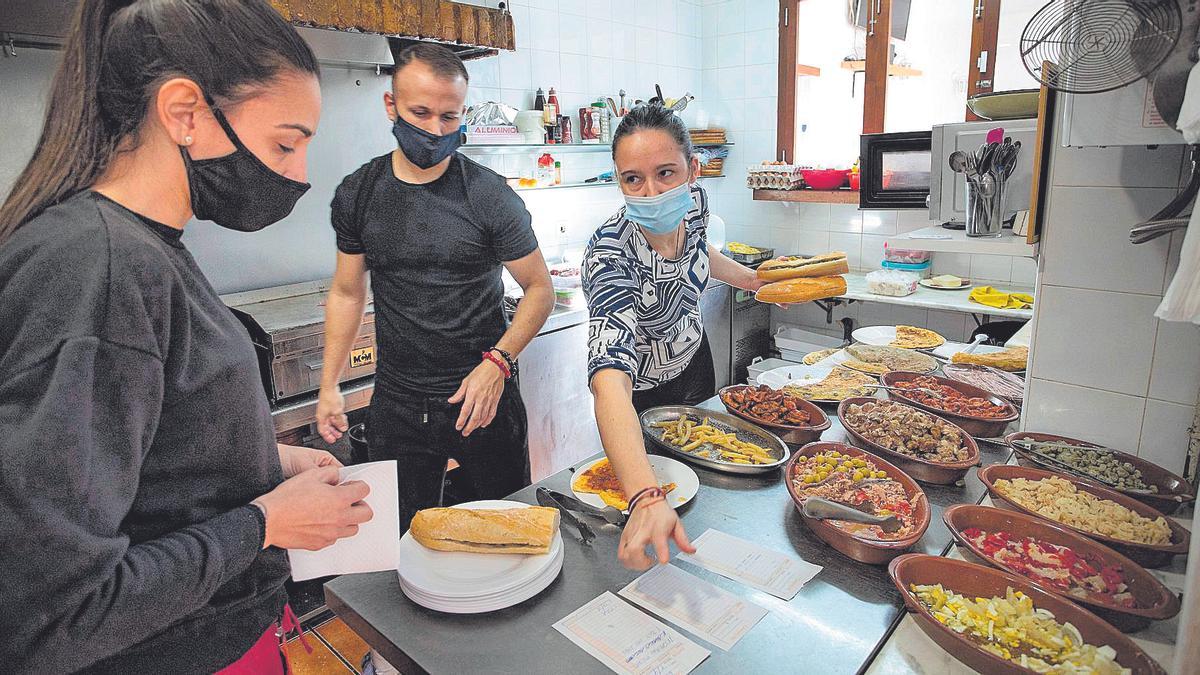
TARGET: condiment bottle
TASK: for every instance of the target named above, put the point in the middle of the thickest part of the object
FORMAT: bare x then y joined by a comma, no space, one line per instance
605,121
558,173
563,130
550,117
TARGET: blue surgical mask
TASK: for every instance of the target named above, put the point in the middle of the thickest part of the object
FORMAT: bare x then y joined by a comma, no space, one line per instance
663,212
421,147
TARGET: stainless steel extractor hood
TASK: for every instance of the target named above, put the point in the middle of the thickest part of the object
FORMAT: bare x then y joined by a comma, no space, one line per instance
334,47
344,32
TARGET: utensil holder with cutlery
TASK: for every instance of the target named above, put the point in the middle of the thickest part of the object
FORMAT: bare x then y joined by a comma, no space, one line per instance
987,171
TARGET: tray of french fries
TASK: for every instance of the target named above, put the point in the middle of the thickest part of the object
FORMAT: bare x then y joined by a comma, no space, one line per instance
714,439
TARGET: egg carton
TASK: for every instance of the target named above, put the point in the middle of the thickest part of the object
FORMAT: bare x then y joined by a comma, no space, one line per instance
786,169
773,181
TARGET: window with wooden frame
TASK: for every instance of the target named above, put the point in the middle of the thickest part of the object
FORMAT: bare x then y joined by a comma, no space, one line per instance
875,71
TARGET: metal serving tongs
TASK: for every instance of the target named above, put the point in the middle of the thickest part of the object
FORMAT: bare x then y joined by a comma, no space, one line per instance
545,499
1169,219
816,507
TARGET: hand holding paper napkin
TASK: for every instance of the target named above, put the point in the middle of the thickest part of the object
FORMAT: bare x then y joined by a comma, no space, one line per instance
376,547
988,295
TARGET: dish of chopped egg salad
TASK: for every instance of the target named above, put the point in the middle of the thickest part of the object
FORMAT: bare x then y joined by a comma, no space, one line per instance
1013,629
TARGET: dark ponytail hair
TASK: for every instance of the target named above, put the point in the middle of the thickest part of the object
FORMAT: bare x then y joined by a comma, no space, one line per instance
654,116
118,53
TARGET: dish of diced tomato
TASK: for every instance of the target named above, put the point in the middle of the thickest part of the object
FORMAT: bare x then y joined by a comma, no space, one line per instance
1081,576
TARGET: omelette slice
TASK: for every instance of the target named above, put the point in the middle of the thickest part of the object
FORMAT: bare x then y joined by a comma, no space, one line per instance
911,337
601,479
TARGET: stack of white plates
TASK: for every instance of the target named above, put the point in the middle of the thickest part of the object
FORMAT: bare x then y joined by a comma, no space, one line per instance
472,583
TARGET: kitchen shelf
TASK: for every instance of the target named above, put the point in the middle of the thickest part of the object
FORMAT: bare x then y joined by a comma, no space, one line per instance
562,186
810,71
893,69
510,148
1006,244
928,298
841,196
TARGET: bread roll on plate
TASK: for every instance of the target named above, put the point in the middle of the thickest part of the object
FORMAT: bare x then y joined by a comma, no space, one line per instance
795,267
801,290
529,531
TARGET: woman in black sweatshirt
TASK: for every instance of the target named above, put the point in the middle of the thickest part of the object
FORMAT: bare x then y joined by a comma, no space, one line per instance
144,503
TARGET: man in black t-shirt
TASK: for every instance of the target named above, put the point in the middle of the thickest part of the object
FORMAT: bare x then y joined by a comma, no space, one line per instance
434,229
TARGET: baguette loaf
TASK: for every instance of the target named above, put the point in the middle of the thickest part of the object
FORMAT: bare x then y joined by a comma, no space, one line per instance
795,267
801,290
529,530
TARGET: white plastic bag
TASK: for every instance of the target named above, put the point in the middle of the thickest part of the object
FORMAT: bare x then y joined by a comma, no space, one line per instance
895,283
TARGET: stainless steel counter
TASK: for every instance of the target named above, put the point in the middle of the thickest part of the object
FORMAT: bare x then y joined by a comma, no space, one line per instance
292,414
836,624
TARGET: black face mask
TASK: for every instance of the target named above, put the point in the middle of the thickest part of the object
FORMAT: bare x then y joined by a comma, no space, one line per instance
421,147
238,191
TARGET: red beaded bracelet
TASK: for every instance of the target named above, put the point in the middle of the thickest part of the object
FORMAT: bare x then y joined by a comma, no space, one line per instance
489,356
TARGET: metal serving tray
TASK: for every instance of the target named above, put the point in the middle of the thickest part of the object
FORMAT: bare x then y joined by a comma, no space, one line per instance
745,431
763,255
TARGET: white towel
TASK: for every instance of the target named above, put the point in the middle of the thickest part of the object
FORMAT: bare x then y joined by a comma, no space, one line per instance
1182,300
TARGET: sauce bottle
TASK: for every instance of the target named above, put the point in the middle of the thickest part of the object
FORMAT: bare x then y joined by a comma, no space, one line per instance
550,117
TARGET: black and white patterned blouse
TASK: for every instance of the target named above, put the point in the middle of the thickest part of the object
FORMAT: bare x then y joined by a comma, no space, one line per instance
644,308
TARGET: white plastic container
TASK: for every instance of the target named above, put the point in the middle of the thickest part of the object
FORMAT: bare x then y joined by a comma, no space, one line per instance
761,365
803,341
793,357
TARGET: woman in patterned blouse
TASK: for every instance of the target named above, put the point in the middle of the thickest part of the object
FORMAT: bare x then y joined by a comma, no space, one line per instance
643,274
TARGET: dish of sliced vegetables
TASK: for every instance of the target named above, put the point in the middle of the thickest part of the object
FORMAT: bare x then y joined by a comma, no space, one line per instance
1013,629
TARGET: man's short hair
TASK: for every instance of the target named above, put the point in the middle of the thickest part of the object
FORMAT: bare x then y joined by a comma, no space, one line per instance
440,59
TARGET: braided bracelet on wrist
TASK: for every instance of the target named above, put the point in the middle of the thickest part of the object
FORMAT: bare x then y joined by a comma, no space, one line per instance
645,493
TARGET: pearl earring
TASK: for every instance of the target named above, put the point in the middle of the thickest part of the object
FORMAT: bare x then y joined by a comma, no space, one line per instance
187,140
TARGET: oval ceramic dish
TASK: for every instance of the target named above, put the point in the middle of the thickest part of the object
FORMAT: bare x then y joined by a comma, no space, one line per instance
791,434
1147,555
745,431
870,551
939,473
1156,602
985,427
976,581
1173,491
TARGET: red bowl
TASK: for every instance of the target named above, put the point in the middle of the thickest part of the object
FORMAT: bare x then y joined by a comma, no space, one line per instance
1173,491
1156,602
974,581
1146,555
870,551
825,179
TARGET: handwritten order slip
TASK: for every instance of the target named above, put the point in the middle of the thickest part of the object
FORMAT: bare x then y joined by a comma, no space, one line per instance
705,610
628,641
769,571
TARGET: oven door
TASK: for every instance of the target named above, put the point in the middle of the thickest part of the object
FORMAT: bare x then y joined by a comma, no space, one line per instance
895,170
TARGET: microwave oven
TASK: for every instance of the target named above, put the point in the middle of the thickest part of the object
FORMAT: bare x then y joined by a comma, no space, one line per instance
948,190
894,170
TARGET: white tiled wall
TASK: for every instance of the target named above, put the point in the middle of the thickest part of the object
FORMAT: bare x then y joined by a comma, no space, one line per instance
1103,367
586,49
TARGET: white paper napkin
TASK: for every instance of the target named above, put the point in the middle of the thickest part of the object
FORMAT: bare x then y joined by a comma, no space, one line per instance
376,547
